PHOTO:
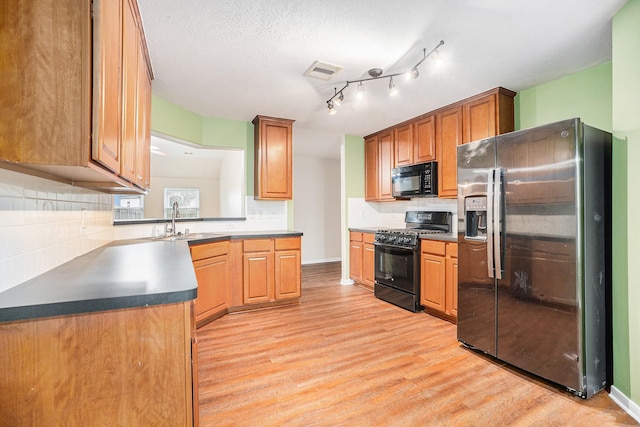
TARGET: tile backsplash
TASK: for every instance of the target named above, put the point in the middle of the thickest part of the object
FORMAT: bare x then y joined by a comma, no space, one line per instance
391,214
45,223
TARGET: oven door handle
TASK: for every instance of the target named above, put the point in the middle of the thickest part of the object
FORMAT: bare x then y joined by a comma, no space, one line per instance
403,248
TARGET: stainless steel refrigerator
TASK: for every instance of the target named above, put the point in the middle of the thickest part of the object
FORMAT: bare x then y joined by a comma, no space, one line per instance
534,251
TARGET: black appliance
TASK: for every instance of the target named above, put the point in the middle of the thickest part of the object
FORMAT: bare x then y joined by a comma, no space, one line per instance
419,180
397,257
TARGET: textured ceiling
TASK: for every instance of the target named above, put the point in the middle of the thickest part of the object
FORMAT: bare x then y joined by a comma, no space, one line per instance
235,59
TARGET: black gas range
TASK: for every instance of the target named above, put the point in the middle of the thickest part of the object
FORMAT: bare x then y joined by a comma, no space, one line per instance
397,257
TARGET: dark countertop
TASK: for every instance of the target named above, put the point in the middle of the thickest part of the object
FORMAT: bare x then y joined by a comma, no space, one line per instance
121,274
446,237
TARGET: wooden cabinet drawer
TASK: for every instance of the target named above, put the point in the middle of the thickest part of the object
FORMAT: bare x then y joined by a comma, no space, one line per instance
287,243
433,247
355,236
452,250
208,250
257,245
368,237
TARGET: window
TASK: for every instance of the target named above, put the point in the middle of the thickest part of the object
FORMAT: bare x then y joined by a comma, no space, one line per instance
128,206
188,202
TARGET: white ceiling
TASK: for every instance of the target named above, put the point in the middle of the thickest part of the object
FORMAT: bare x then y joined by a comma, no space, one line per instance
235,59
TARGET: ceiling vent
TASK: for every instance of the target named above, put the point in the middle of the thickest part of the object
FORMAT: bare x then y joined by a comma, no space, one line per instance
322,70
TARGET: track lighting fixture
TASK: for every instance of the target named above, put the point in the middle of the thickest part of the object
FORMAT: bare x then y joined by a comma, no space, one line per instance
332,110
375,74
338,98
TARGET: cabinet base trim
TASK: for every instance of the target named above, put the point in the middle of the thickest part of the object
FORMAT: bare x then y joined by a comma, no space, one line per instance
261,306
443,316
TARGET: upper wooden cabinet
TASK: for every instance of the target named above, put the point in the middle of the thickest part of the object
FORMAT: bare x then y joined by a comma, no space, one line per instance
371,172
70,92
403,143
436,136
107,116
488,114
424,139
448,137
414,142
379,155
273,158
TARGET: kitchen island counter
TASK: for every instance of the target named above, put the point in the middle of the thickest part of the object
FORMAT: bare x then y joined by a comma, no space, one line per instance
122,274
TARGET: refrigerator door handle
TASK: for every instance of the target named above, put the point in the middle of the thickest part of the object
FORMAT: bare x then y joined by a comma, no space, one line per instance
497,217
490,240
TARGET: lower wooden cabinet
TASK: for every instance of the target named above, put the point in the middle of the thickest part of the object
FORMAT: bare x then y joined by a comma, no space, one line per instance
362,258
368,260
439,278
271,270
211,264
134,367
355,256
287,265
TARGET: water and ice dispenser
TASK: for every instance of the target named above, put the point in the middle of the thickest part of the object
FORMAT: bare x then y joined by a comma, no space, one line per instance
475,211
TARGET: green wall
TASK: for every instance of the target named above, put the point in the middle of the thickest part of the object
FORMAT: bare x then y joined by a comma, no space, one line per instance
354,174
171,120
626,130
586,94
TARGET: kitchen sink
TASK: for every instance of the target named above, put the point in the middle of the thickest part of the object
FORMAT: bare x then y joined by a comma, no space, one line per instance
190,236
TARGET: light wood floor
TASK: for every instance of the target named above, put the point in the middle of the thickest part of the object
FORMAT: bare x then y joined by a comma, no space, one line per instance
344,358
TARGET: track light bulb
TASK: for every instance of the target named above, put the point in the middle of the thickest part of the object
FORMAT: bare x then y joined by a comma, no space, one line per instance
437,58
337,98
360,93
393,90
411,74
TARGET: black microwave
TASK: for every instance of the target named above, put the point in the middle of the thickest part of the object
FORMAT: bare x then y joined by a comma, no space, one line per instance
419,180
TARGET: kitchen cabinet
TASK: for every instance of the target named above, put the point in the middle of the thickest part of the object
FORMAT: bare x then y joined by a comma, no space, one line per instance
211,265
379,155
487,114
273,158
448,137
368,260
70,92
271,270
403,145
414,141
435,136
288,272
133,366
371,168
362,258
439,278
424,137
355,256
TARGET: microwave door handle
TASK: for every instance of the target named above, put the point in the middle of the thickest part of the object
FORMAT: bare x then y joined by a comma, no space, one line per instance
490,188
497,222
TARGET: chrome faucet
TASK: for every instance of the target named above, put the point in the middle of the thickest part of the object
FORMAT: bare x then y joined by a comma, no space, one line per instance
175,213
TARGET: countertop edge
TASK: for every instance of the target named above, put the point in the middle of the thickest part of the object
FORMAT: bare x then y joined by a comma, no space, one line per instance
38,311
